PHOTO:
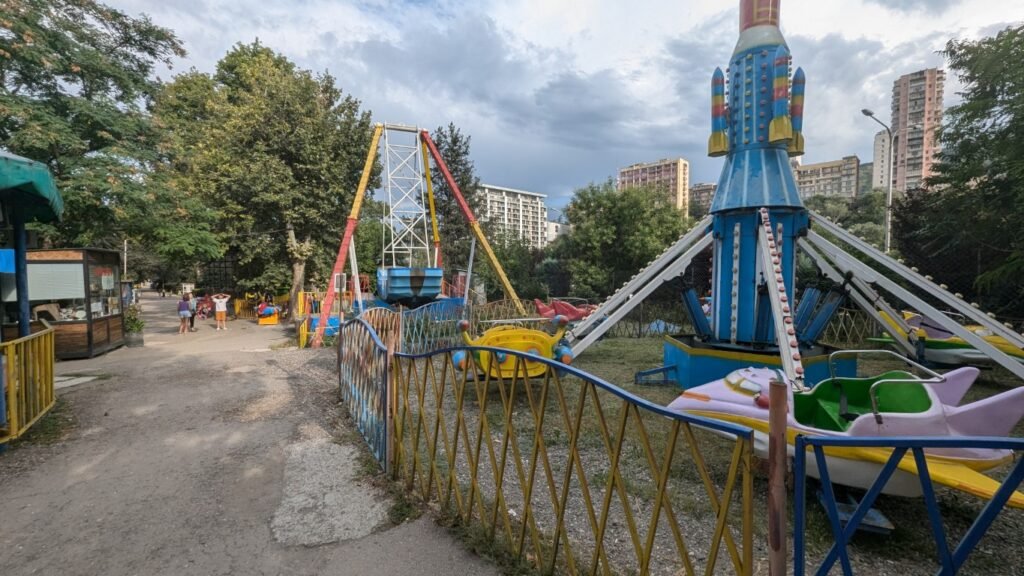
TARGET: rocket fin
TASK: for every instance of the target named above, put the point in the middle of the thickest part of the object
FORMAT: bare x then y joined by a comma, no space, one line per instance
796,145
718,144
780,129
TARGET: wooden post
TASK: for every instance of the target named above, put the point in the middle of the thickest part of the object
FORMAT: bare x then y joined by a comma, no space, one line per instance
777,454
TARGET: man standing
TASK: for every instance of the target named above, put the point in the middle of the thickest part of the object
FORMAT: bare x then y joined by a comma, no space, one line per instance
220,309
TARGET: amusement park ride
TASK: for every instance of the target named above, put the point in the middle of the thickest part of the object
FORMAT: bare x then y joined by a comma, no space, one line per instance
758,331
410,273
760,327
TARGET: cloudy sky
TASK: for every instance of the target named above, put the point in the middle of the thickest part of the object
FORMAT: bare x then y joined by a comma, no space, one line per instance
560,93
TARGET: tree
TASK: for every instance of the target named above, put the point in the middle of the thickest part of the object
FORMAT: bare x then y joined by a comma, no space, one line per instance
864,215
277,151
965,228
519,260
453,227
834,208
77,82
613,235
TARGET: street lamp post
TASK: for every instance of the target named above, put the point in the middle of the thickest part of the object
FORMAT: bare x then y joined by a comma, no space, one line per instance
892,162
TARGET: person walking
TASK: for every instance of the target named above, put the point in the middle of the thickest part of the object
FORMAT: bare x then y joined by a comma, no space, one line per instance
192,313
220,309
184,313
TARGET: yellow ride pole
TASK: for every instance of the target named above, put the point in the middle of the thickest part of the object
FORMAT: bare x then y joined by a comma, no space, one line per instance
346,239
430,202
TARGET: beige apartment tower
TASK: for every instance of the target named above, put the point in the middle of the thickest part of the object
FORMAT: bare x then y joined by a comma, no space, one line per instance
916,116
672,177
515,212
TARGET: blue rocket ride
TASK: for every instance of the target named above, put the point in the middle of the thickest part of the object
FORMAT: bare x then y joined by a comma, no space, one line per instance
756,126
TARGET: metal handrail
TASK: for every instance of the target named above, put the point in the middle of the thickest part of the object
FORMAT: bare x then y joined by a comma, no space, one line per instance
888,353
933,377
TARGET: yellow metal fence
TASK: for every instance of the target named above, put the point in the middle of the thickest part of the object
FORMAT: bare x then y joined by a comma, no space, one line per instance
563,470
29,381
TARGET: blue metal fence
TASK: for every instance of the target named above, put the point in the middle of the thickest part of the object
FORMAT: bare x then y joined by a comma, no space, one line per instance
363,383
950,561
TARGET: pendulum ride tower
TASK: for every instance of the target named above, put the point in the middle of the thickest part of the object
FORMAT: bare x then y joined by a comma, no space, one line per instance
409,272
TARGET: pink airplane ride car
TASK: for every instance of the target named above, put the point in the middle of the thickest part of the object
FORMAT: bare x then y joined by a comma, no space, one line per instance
894,403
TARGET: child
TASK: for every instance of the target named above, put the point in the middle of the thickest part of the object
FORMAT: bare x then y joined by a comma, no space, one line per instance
220,307
184,313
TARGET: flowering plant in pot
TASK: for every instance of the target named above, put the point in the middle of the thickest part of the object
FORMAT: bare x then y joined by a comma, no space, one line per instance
133,325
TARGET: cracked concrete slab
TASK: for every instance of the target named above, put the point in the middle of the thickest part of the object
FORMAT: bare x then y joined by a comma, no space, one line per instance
324,500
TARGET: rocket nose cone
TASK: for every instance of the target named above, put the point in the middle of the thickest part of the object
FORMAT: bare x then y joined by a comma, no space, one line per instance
758,13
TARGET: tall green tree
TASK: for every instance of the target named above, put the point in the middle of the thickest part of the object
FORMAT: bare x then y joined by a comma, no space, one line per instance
77,80
277,151
454,229
613,235
965,229
863,215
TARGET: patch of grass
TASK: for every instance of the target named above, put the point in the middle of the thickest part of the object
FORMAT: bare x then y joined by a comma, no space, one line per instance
403,508
478,540
55,426
617,360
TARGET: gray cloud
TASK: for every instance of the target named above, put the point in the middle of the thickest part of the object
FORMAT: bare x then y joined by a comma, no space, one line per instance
527,89
937,6
540,118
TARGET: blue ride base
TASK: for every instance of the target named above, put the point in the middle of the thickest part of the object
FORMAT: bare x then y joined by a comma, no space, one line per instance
333,322
690,362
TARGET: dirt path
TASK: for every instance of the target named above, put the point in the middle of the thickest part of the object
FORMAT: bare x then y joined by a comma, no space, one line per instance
205,453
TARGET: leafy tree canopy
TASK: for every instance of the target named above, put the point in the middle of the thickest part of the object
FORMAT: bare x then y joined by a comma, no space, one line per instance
614,234
77,80
965,228
277,151
863,215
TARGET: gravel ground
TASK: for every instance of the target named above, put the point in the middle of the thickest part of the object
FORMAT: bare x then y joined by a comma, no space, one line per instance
909,550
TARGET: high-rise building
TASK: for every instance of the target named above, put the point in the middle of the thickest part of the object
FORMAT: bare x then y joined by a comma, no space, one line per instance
672,177
701,196
864,178
882,159
515,212
916,114
836,178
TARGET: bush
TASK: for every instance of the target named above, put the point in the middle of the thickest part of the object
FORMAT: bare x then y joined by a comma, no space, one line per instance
133,321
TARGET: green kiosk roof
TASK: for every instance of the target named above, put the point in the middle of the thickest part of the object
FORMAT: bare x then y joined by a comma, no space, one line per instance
28,186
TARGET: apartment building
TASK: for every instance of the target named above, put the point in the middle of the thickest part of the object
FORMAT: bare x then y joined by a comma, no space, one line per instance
881,161
838,178
514,212
916,115
670,177
701,196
